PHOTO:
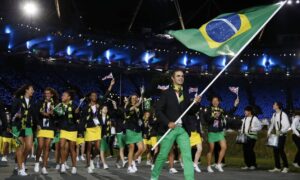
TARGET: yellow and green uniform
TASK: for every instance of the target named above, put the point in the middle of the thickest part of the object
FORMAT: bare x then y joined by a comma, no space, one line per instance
68,122
47,124
23,126
91,119
133,126
106,125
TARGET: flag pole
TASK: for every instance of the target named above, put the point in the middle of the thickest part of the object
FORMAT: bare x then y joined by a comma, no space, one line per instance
221,72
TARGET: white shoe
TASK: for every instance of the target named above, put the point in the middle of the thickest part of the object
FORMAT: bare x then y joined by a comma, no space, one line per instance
219,167
98,165
285,170
44,171
63,168
74,170
22,173
124,163
118,165
92,165
4,159
209,169
77,158
57,167
36,167
66,165
105,166
82,158
134,166
41,159
245,168
139,159
23,166
90,170
274,170
197,169
173,171
182,165
148,163
252,168
130,170
296,165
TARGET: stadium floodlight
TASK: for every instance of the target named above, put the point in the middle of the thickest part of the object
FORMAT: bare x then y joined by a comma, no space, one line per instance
30,8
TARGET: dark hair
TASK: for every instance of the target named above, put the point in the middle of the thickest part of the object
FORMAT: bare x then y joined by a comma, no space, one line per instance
250,109
215,96
176,70
279,104
54,93
71,93
89,95
21,91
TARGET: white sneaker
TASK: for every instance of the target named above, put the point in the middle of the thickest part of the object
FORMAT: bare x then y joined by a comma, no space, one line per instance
82,158
90,170
197,169
77,158
182,165
223,165
209,169
130,170
63,168
22,173
173,171
245,168
252,168
274,170
105,166
23,166
124,163
41,159
285,170
148,163
139,159
219,168
4,159
44,171
92,165
296,165
74,170
66,165
36,167
57,167
118,166
134,166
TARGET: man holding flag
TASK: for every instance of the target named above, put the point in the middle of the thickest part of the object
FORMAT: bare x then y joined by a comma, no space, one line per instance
171,104
227,34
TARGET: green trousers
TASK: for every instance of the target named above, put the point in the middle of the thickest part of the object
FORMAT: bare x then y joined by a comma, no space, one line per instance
182,138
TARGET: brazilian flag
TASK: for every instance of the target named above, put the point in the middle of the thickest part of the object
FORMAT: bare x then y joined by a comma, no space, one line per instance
227,33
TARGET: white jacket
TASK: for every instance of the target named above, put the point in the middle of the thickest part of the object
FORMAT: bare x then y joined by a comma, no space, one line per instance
280,122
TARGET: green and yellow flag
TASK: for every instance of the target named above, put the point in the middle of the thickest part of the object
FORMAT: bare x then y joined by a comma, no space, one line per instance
227,33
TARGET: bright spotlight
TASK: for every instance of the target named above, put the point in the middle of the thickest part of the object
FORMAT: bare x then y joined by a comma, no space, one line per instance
30,8
289,2
297,2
